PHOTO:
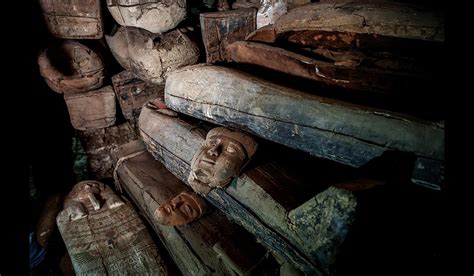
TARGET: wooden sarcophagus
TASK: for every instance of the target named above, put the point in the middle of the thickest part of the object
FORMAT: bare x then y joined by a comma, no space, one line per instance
327,128
104,234
71,67
304,225
76,19
151,57
205,243
156,16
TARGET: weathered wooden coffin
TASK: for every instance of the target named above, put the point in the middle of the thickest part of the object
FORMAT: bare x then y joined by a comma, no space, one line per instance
222,28
346,72
368,25
92,110
156,16
76,19
109,240
132,93
209,245
150,56
300,220
71,67
99,143
339,131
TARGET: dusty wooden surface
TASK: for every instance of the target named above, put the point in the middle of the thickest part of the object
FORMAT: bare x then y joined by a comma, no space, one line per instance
110,241
156,16
99,143
262,198
211,244
265,34
132,93
376,19
326,128
346,72
71,67
92,110
222,28
76,19
152,56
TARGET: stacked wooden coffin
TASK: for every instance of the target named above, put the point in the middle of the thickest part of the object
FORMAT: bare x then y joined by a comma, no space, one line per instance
246,164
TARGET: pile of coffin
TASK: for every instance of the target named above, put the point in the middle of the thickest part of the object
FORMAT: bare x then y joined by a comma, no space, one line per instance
246,164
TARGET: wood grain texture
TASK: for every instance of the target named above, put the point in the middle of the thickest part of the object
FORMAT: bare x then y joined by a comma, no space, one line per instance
323,127
110,241
222,28
99,143
358,77
132,93
384,18
76,19
92,110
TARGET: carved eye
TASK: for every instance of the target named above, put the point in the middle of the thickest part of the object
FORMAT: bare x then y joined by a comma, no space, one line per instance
230,149
186,209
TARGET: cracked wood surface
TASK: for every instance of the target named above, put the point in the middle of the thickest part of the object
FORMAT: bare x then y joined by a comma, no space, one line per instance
192,246
222,28
327,128
376,19
76,19
262,198
156,16
339,131
92,110
132,93
99,143
110,241
355,76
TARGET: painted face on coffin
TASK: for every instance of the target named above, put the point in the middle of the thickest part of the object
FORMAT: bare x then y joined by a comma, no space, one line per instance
219,159
180,210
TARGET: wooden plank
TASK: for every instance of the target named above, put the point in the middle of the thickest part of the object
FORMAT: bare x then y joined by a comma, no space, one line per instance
92,110
326,128
209,245
252,200
222,28
76,19
342,73
107,238
99,143
132,93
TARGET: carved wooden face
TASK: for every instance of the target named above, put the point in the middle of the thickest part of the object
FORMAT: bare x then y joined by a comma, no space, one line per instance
180,210
219,159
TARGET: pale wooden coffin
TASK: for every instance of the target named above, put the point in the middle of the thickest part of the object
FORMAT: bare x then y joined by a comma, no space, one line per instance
92,110
156,16
365,25
302,221
150,56
132,93
111,240
327,128
76,19
99,143
211,244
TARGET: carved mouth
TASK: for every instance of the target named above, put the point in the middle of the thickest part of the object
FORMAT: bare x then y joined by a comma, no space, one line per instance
208,161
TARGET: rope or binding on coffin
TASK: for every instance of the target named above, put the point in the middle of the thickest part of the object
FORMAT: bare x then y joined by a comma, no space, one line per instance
119,163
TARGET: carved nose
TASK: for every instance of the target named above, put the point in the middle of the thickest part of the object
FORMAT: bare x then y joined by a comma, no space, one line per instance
213,151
